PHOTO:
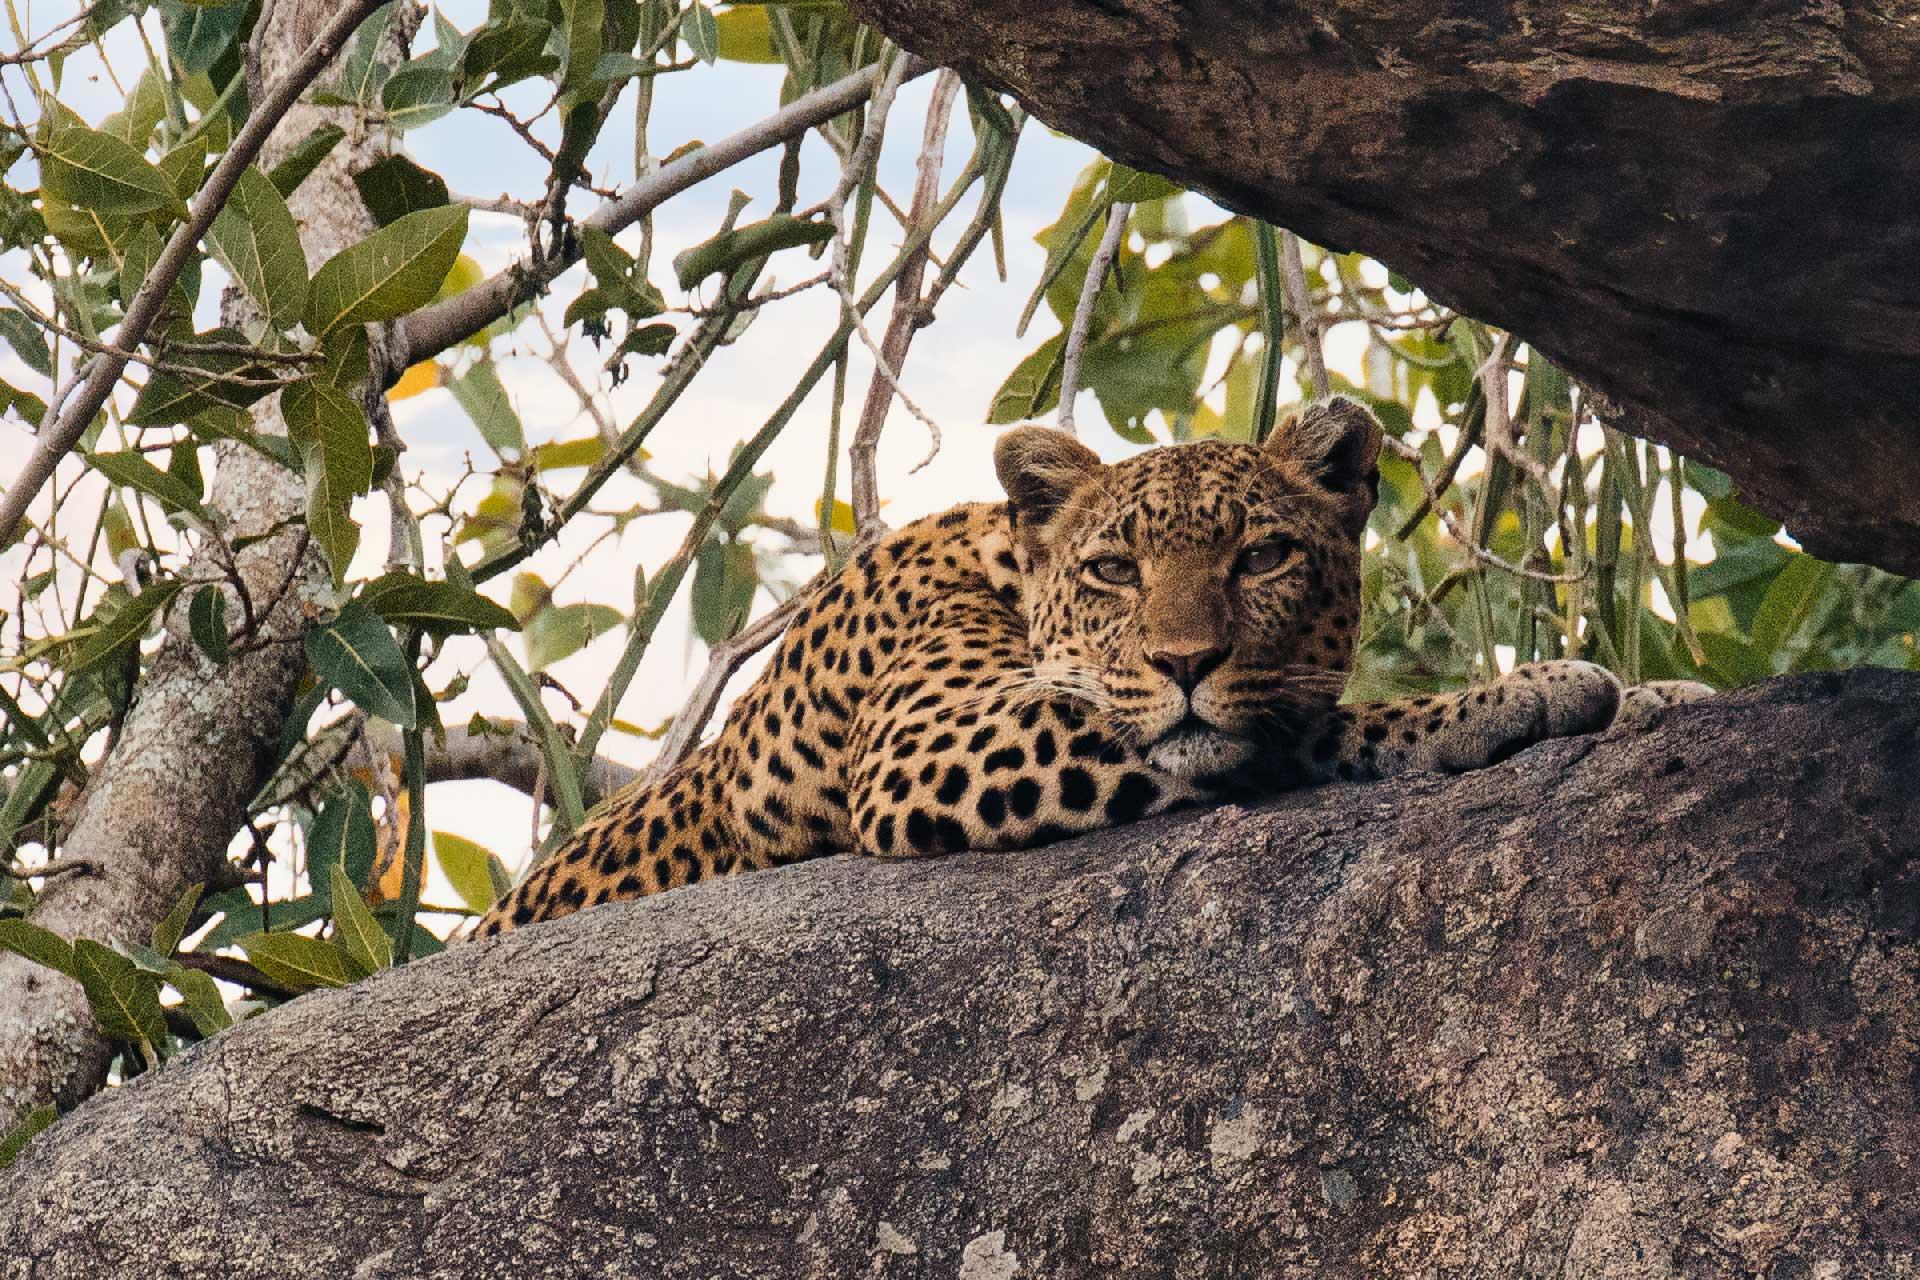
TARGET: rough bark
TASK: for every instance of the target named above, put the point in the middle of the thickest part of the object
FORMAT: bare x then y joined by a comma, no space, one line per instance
160,810
1704,209
1636,1006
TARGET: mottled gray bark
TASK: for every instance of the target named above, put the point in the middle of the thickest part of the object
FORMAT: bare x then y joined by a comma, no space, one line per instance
1634,1006
1705,209
160,810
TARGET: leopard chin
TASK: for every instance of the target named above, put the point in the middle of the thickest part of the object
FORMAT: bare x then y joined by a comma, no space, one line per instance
1194,749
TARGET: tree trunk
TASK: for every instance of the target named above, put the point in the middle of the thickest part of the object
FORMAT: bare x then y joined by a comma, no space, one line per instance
1636,1006
1706,210
161,809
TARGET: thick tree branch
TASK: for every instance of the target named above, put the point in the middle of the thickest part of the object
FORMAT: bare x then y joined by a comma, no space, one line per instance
1640,1005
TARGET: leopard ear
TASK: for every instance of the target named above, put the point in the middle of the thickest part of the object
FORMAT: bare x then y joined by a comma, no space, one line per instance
1039,467
1338,442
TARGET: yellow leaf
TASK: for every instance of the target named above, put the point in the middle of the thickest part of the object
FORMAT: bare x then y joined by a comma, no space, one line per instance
424,376
462,276
745,35
842,515
387,888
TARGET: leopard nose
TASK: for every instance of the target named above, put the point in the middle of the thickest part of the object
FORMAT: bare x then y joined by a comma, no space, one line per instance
1186,664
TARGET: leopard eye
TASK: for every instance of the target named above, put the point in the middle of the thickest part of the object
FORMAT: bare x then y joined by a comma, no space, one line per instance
1115,571
1264,557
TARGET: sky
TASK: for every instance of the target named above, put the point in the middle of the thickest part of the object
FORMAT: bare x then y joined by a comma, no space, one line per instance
953,370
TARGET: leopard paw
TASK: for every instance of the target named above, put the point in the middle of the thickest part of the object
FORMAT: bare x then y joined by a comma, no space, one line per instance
1541,700
1642,704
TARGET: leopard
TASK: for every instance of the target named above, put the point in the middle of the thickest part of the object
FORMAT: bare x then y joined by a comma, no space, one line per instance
1111,642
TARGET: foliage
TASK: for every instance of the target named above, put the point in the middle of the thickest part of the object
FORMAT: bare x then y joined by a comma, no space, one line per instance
1477,559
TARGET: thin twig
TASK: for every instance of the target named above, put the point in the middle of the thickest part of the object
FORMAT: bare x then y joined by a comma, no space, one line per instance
1312,324
47,871
907,317
1103,257
1411,456
1493,375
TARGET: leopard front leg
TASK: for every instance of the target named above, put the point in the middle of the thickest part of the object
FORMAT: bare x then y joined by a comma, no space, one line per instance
1454,732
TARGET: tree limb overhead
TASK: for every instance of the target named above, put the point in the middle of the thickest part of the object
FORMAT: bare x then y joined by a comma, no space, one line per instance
1704,210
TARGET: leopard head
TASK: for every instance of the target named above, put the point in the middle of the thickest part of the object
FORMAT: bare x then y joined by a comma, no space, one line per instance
1205,596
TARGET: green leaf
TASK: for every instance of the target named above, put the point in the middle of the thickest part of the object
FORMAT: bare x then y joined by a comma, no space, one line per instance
125,1001
480,392
254,237
367,950
304,158
187,165
139,251
395,187
357,655
417,95
468,868
362,72
330,430
1131,186
342,835
611,265
742,244
240,915
584,19
200,997
725,578
701,33
42,946
135,121
29,1127
295,961
167,934
198,34
559,631
125,627
1732,661
331,522
508,52
24,336
207,623
395,270
198,378
443,608
31,408
1789,601
96,171
134,471
1033,387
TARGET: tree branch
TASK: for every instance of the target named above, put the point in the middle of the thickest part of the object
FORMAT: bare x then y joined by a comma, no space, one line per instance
1090,287
433,329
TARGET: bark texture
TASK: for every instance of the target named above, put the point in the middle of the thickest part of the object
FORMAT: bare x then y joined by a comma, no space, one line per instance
160,810
1645,1005
1705,209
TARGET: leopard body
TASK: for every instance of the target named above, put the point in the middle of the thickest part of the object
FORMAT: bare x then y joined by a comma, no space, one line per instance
1111,642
